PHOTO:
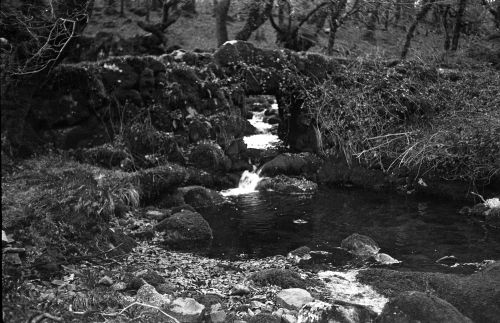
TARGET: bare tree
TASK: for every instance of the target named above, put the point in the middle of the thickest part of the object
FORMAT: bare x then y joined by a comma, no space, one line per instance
189,7
291,35
47,31
494,8
338,12
371,23
170,14
122,8
40,34
424,9
462,4
258,12
446,26
221,9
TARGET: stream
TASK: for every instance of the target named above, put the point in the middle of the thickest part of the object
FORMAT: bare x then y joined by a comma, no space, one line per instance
414,230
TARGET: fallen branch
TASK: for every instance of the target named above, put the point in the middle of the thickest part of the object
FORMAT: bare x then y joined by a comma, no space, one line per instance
479,195
40,317
173,319
13,250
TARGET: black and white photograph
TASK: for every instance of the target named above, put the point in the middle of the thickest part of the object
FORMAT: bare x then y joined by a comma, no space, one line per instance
250,161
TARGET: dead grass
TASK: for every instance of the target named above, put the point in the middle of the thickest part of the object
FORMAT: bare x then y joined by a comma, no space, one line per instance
414,118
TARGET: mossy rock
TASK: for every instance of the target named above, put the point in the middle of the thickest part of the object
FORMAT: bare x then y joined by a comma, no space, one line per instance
283,278
475,296
210,157
185,229
287,185
420,307
264,318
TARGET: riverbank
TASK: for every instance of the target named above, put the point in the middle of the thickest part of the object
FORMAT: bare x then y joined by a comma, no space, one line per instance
127,153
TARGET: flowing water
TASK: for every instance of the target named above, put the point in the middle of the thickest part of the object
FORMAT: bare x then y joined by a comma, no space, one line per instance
415,231
248,184
266,136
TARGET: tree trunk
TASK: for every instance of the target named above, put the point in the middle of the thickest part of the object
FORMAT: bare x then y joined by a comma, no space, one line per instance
148,10
155,5
335,21
458,24
221,10
446,27
371,26
122,8
167,19
397,11
281,15
255,19
426,6
387,18
189,7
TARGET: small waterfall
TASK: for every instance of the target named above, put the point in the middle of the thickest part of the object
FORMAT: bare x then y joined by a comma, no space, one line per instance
248,184
264,139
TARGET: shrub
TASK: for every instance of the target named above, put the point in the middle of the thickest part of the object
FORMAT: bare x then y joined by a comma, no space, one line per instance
412,117
58,199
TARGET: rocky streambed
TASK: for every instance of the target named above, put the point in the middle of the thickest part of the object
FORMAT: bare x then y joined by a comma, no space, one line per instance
125,215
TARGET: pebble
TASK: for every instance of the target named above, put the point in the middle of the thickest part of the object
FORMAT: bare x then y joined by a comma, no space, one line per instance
293,298
119,286
106,281
239,290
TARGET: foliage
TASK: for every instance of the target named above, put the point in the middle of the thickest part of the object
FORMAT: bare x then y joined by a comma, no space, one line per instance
60,199
429,121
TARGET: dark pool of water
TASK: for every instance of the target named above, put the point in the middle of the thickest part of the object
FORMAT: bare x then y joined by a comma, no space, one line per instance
417,232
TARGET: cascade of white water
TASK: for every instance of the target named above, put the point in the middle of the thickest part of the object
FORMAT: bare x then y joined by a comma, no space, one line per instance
248,184
263,140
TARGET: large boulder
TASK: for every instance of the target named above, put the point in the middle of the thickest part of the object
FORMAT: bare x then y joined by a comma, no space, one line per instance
305,257
210,157
200,197
283,278
292,164
475,296
185,229
338,172
226,126
199,130
415,306
147,294
342,312
360,245
288,185
293,298
187,310
69,97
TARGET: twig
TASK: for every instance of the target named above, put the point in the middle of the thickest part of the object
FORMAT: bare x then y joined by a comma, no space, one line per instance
13,250
391,134
145,305
40,317
479,195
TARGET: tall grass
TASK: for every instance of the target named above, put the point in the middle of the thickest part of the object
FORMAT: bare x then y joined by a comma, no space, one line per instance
415,118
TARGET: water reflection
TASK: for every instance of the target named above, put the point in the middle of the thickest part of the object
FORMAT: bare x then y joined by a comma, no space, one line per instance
416,232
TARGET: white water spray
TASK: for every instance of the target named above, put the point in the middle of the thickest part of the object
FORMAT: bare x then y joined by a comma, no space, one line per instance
263,140
248,184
